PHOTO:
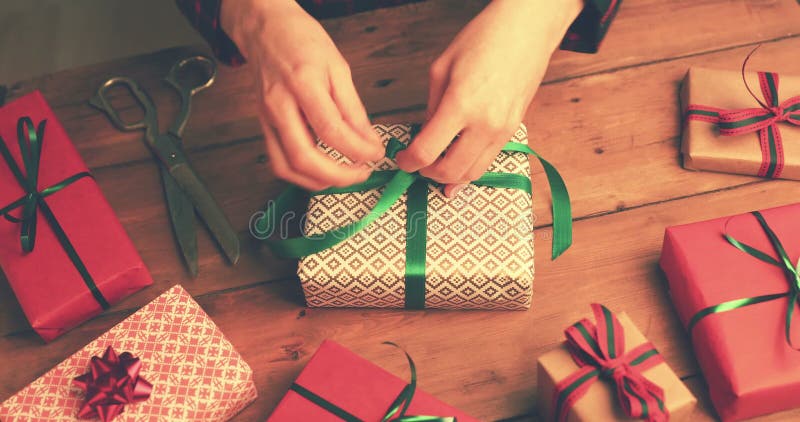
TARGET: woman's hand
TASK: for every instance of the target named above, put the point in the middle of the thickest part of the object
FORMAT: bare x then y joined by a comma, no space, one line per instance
481,86
302,80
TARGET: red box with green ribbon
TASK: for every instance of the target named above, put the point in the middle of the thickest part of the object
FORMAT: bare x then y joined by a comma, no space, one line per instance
338,385
735,285
62,249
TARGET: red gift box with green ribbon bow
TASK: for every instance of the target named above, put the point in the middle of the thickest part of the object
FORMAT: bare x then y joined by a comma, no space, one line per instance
734,283
62,249
338,385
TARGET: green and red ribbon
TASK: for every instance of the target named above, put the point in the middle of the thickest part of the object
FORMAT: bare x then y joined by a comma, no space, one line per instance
763,120
112,382
395,183
791,272
599,352
30,139
397,410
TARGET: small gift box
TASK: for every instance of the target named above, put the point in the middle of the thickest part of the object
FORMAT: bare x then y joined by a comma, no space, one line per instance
730,129
734,284
65,254
337,385
609,371
395,241
166,362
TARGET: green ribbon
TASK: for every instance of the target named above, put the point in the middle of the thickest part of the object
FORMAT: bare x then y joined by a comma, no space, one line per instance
397,410
790,270
30,140
396,183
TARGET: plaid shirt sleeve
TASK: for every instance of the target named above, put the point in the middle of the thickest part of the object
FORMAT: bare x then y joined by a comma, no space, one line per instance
204,16
335,8
590,27
584,34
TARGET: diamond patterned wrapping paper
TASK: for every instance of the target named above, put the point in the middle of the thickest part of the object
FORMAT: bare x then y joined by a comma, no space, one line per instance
479,244
196,373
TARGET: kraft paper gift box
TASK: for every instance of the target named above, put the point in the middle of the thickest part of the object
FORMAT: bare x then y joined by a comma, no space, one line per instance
81,259
749,365
479,245
195,372
343,383
705,146
599,402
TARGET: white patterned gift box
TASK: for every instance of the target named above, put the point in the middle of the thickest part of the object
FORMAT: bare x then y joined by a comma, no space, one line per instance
479,245
196,373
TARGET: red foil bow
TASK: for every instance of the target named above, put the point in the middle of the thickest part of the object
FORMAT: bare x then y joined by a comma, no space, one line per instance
111,383
599,351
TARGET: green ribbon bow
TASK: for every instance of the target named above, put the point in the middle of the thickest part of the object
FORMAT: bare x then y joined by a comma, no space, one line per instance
30,140
791,271
396,183
397,410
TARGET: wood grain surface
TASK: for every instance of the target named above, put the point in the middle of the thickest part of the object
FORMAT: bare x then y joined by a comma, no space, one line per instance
610,123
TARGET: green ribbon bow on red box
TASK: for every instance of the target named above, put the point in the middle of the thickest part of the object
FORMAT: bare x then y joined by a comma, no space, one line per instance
396,183
397,410
790,270
30,139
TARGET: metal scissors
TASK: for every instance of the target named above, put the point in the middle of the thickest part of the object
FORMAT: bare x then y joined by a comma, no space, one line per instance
184,191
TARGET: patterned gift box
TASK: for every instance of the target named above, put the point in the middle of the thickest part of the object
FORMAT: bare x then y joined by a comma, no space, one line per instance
196,373
479,245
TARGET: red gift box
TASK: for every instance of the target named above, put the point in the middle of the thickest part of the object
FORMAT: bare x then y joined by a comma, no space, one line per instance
749,366
48,284
355,386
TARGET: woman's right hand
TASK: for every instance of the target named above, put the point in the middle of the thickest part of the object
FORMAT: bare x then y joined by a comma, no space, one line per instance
302,80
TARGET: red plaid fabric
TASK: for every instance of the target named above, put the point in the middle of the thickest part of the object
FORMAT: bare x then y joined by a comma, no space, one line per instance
204,16
590,27
584,34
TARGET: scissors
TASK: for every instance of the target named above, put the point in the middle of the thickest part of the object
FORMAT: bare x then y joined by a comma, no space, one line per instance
184,191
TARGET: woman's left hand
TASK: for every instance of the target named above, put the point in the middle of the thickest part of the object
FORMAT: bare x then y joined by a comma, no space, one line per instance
481,85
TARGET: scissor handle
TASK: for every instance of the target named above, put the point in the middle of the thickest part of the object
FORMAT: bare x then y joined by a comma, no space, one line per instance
100,101
206,64
186,87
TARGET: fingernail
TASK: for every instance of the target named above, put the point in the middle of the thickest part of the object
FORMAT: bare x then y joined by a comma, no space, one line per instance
450,191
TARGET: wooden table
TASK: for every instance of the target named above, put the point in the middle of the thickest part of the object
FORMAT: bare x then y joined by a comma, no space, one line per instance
610,122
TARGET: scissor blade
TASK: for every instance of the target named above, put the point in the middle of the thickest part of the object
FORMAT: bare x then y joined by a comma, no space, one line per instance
181,213
208,209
